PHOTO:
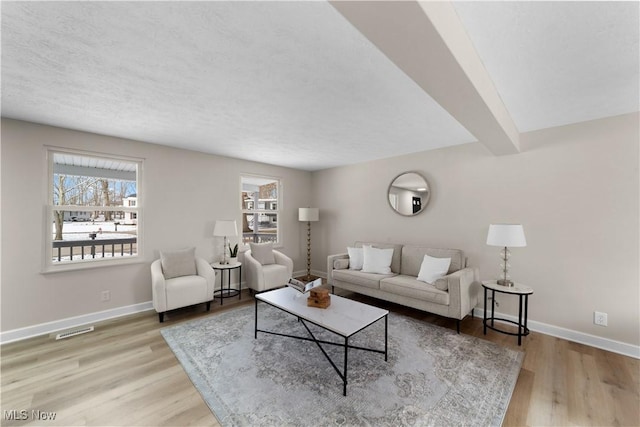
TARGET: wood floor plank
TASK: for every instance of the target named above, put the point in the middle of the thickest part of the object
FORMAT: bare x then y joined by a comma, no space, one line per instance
124,374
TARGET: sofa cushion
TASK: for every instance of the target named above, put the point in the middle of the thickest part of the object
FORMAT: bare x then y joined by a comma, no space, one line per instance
263,253
397,253
433,268
377,260
356,258
412,257
178,263
411,287
368,280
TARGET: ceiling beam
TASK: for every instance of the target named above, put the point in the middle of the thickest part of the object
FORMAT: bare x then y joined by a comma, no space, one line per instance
427,41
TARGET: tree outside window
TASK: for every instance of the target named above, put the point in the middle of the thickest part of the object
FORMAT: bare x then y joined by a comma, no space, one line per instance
94,206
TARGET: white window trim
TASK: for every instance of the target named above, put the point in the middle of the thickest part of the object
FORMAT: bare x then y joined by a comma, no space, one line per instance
278,211
48,266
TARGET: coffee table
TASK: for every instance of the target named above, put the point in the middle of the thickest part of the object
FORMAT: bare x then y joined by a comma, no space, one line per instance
343,317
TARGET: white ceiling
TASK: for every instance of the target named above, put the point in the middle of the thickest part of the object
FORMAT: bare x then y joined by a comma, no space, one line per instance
294,83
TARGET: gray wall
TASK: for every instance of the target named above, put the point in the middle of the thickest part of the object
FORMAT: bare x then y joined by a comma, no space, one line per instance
575,189
184,193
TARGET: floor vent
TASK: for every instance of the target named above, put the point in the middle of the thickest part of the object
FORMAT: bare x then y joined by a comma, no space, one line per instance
74,332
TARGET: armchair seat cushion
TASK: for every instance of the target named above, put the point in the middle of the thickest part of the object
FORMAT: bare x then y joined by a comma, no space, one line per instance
182,291
411,287
276,273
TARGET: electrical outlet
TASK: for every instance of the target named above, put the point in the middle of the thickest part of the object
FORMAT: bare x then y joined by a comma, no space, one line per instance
600,318
105,296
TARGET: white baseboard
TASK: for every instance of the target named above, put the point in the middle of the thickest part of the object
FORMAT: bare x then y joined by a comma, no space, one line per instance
71,322
575,336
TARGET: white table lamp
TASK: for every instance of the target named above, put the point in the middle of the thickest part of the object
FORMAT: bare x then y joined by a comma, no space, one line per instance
309,215
225,228
506,235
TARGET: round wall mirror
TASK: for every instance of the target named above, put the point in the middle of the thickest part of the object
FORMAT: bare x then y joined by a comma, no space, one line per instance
409,193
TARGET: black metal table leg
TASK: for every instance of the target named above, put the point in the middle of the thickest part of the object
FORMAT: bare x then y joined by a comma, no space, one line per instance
386,340
526,314
484,321
493,306
346,351
520,320
255,325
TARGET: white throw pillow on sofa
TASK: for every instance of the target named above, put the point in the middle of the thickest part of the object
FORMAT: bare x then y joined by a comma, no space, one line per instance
433,268
377,260
356,258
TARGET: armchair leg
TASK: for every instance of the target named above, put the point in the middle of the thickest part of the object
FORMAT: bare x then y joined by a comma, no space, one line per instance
208,305
161,316
458,325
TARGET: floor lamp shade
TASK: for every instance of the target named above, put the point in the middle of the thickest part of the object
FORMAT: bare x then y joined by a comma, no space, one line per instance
505,235
308,214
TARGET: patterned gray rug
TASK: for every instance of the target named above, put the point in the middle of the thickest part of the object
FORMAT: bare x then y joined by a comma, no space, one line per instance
433,376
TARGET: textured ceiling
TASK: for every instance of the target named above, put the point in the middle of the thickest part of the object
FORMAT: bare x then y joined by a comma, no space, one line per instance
556,62
294,83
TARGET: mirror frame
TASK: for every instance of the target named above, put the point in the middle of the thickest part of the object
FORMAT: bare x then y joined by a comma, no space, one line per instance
425,200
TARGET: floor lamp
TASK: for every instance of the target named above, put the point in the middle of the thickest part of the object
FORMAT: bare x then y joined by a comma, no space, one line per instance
309,215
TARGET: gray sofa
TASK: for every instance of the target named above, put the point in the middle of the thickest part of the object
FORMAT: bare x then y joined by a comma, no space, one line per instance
454,295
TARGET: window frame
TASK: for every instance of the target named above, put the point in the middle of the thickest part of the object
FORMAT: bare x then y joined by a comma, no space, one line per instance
48,266
256,211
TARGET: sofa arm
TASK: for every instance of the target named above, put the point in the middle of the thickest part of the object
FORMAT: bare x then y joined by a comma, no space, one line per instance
330,260
158,287
464,287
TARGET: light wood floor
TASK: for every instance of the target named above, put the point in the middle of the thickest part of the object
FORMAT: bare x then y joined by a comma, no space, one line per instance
124,374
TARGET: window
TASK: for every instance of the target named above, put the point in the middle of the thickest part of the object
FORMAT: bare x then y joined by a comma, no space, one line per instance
261,198
93,209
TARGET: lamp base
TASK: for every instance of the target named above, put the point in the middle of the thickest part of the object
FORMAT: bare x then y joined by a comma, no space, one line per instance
507,283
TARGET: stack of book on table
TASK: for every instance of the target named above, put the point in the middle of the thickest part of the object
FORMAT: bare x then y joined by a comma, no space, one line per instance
318,297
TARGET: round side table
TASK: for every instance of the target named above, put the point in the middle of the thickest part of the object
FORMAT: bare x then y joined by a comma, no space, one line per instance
228,292
518,289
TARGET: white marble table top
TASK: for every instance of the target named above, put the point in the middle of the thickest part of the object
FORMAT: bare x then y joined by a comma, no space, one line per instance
344,316
517,288
220,266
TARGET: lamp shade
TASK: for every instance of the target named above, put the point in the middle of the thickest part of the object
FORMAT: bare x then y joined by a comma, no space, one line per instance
225,227
511,235
308,214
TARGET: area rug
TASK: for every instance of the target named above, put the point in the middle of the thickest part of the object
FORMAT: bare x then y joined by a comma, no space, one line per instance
433,375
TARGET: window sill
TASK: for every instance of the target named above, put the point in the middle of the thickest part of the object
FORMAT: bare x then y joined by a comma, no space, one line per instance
89,264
